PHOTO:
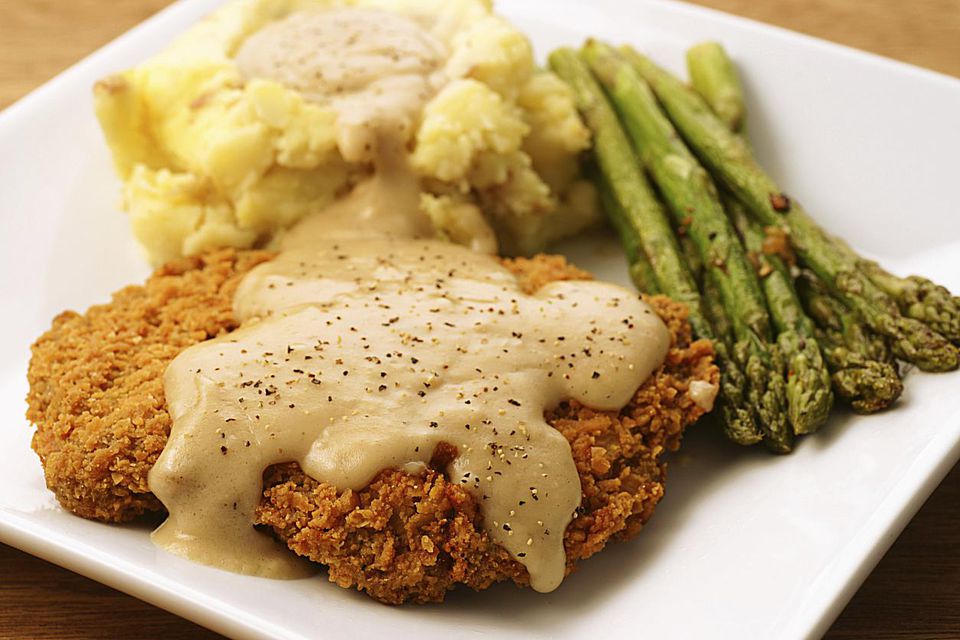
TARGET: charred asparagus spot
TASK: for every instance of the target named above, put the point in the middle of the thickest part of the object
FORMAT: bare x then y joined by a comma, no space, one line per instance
729,159
863,369
647,228
692,201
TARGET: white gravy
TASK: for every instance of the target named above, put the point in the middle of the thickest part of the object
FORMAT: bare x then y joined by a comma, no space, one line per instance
375,68
364,344
365,355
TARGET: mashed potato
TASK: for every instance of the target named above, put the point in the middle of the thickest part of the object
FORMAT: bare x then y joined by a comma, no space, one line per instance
210,158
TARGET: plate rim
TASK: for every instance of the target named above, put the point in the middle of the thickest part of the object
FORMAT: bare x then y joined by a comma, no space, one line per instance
868,545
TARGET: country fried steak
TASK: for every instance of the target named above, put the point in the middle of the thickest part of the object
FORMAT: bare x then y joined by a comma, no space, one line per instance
97,400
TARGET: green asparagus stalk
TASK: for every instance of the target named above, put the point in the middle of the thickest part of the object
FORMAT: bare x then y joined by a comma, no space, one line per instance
642,275
714,76
735,415
690,252
646,224
863,370
734,412
729,159
713,306
641,272
717,70
692,200
808,381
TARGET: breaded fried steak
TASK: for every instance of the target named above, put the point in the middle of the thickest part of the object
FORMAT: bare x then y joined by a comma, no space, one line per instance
97,399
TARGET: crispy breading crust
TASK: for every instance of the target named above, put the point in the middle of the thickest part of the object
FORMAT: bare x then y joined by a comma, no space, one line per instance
96,396
96,382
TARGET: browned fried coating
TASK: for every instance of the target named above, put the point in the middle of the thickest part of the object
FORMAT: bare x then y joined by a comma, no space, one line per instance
542,269
96,382
96,397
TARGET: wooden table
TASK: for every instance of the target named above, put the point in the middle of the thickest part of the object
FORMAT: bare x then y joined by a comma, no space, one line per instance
913,593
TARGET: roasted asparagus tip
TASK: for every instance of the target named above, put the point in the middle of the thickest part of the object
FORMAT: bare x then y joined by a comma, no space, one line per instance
933,305
767,393
737,419
916,342
809,397
869,386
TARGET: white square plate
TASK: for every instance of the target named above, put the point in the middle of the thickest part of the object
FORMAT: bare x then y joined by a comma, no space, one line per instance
745,544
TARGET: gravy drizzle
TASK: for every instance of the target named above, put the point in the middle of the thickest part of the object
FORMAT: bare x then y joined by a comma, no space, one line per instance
365,344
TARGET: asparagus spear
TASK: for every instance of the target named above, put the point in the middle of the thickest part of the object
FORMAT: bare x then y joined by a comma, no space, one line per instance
641,272
808,380
646,224
713,76
735,415
729,158
691,197
689,252
713,306
863,370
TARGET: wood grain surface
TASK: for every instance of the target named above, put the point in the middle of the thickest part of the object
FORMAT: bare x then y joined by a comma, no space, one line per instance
913,593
